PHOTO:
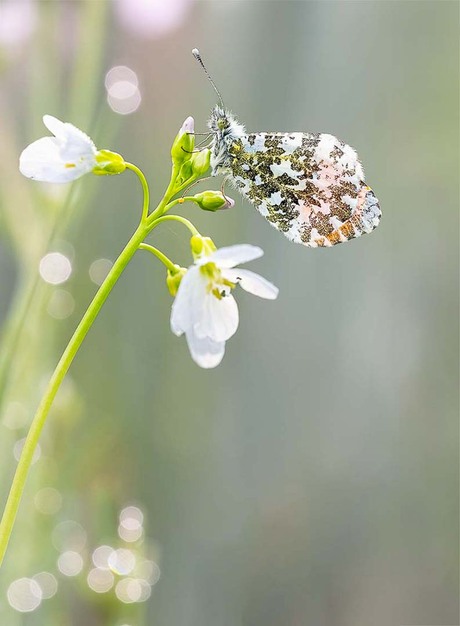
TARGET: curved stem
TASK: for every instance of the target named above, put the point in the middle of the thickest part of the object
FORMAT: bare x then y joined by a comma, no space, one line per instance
163,258
146,225
176,218
145,188
17,487
190,183
170,191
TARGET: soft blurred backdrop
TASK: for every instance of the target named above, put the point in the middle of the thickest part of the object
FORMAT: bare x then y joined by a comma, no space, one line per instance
312,479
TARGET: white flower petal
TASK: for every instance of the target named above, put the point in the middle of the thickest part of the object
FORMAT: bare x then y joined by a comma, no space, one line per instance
219,318
208,321
234,255
59,159
77,144
38,154
252,282
41,161
204,351
74,142
54,125
189,301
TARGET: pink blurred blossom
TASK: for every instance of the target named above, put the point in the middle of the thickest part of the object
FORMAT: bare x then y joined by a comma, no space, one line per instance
18,19
152,18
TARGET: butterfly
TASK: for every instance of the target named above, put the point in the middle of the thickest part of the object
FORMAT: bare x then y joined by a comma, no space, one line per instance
309,186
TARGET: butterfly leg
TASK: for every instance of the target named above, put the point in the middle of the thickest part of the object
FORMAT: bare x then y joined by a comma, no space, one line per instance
222,191
200,180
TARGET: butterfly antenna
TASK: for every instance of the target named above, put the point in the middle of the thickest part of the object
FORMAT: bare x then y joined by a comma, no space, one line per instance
197,55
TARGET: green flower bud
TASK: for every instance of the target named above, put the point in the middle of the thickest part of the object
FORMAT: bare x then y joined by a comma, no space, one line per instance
213,201
174,278
201,246
185,173
200,162
108,163
184,143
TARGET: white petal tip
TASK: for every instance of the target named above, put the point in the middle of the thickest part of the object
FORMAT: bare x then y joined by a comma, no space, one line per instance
188,126
53,124
269,293
205,352
230,256
208,363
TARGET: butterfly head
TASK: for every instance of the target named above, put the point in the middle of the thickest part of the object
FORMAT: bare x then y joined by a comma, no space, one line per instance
223,126
218,122
226,130
223,123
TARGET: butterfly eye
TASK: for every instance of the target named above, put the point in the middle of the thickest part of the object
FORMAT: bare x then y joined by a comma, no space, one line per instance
222,124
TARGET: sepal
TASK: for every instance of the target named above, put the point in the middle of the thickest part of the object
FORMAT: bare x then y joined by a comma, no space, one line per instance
174,279
201,246
108,163
201,162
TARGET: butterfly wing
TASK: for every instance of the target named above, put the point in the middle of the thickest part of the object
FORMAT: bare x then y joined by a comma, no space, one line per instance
308,186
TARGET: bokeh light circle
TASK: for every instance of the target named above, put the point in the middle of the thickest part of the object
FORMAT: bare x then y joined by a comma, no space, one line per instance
69,535
55,268
100,580
70,563
48,501
129,590
47,583
99,269
24,595
122,561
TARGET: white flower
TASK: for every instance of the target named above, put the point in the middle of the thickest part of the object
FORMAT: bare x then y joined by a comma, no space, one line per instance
59,159
204,308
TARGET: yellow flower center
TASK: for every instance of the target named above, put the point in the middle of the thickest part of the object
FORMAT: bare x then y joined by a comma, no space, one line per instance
216,282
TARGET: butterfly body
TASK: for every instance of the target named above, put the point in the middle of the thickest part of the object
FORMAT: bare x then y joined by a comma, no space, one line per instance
308,186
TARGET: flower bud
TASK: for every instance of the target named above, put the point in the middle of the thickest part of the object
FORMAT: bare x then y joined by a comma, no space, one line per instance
201,246
108,162
200,162
184,142
213,201
173,279
185,173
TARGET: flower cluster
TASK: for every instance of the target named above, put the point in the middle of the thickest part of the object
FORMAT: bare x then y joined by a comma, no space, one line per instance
204,308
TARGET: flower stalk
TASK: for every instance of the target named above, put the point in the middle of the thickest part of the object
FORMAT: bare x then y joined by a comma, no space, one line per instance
146,225
204,308
30,445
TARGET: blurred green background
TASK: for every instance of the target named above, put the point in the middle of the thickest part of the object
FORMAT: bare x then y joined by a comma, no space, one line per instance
310,480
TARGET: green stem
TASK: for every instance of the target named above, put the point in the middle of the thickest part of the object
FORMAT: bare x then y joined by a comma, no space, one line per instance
170,191
145,188
147,224
17,487
176,218
163,258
